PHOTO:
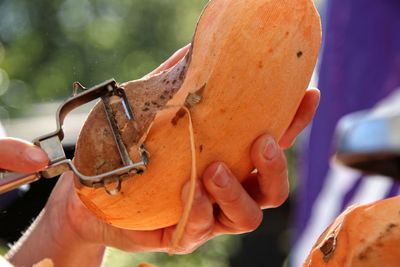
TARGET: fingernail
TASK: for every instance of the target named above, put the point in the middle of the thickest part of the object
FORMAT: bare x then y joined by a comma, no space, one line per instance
35,154
270,150
221,177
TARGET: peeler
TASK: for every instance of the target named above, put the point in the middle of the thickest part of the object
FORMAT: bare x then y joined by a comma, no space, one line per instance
58,163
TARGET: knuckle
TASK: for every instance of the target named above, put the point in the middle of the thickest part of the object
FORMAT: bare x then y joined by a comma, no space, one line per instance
274,192
279,198
279,165
250,223
276,184
184,250
254,221
231,197
273,167
197,233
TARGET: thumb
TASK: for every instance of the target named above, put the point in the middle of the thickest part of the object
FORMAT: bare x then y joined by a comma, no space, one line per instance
21,156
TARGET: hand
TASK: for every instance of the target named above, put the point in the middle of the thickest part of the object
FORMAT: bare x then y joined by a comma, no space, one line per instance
238,206
78,237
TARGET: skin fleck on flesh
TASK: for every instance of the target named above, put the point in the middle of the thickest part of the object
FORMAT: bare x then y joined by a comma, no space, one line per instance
299,54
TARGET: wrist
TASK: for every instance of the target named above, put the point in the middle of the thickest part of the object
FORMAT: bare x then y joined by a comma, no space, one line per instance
73,227
44,240
65,232
59,234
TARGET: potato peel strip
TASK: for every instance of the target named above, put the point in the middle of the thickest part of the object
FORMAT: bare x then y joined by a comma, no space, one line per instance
180,227
177,236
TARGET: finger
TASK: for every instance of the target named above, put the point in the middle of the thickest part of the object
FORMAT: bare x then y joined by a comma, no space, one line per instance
270,188
198,230
200,223
172,61
238,211
20,156
303,117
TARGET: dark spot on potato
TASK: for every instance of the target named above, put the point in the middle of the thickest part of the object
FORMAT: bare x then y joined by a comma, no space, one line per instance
182,74
328,248
287,33
154,103
146,109
299,54
162,97
174,82
270,50
164,80
364,254
147,104
201,148
260,64
179,114
391,226
378,242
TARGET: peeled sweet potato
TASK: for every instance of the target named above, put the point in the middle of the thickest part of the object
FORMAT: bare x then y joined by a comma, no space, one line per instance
250,61
362,236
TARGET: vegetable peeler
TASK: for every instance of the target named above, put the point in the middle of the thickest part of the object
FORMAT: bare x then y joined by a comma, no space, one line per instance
58,163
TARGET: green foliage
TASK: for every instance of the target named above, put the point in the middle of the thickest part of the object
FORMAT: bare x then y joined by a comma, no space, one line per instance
3,250
46,45
213,254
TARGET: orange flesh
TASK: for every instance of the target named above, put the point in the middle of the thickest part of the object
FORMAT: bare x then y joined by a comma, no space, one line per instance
365,236
254,60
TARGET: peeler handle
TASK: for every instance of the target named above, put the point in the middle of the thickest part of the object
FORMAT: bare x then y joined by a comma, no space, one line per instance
13,180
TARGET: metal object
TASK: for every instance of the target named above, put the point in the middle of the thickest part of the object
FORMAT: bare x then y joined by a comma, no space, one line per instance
58,163
370,143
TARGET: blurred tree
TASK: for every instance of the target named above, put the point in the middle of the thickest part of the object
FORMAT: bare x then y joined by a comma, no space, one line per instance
46,45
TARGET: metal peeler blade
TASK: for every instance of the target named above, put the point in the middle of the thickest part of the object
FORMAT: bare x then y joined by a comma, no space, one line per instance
58,163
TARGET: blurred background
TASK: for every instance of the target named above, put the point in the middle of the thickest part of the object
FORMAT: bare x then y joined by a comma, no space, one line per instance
47,45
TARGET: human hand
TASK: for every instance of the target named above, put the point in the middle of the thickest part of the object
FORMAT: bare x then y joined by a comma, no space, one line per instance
237,208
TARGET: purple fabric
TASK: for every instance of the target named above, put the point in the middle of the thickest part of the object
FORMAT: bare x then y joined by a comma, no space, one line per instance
348,197
360,65
393,190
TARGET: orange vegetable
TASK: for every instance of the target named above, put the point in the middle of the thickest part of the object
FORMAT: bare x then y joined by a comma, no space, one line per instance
362,236
250,61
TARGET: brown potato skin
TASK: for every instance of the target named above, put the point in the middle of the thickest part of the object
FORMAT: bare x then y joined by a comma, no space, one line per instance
254,60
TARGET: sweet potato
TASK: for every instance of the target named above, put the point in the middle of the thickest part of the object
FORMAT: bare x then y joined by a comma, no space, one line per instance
251,61
362,236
